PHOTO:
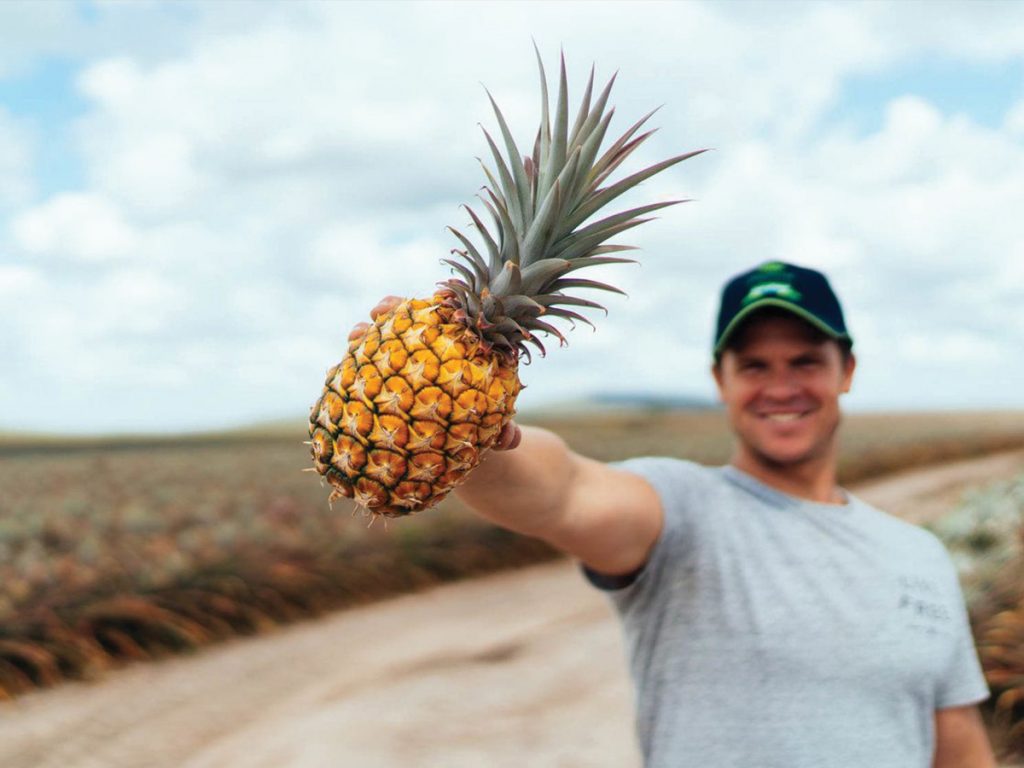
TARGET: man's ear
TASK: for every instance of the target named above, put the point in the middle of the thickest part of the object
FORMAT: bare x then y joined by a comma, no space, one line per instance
851,365
716,373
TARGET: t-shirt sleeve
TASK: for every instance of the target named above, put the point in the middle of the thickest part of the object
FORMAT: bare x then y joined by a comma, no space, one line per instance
964,682
670,479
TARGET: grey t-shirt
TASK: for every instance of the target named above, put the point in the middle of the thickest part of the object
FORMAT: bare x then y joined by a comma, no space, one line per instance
768,631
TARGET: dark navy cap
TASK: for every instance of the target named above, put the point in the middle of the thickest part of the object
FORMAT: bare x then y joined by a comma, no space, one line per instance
802,291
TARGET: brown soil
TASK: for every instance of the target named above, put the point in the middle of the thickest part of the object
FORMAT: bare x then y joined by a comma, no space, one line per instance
521,668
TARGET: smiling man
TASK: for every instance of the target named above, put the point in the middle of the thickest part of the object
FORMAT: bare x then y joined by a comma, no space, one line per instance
782,359
772,618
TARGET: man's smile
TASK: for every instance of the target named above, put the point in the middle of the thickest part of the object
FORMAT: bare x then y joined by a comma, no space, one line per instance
784,416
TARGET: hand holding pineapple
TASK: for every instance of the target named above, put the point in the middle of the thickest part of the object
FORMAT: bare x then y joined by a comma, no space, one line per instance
430,385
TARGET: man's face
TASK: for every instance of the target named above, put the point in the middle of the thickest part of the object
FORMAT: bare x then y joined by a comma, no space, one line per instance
780,384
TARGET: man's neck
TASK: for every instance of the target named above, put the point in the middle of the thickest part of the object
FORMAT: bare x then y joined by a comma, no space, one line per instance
814,479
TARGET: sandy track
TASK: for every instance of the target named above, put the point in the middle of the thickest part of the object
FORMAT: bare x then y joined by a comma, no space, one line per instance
521,663
919,495
520,668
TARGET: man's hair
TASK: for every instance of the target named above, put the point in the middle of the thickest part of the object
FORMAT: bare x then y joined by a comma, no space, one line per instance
733,342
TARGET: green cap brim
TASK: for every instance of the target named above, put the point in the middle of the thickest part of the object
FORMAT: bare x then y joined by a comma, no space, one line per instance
800,312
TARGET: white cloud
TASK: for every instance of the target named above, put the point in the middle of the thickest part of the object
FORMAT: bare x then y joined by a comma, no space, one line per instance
32,33
1014,123
15,279
30,29
353,260
948,349
261,175
985,30
75,227
133,301
257,111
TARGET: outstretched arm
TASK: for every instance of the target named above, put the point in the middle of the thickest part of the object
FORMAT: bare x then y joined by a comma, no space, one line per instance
531,483
607,518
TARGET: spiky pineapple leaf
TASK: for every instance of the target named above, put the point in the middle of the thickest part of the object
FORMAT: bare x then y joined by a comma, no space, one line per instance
540,206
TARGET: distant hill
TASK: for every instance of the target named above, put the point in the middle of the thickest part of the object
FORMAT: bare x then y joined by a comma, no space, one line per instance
655,401
618,401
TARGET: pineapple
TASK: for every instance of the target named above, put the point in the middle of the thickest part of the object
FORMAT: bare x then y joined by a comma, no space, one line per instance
427,388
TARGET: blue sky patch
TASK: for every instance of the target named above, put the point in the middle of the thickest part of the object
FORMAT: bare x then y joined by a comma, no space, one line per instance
87,11
984,91
45,97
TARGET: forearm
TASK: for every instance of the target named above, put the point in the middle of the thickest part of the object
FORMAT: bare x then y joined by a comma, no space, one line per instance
524,489
961,740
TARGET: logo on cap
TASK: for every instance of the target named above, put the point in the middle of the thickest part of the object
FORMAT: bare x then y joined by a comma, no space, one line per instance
803,291
782,290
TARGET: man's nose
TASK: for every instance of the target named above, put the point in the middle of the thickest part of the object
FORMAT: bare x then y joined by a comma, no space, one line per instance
781,384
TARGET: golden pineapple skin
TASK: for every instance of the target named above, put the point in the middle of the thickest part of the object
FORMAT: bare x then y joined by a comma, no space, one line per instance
410,409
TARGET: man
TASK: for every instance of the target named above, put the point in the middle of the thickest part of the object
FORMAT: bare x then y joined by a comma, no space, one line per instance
772,618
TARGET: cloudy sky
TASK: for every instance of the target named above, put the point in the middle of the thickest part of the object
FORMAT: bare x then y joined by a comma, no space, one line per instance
197,201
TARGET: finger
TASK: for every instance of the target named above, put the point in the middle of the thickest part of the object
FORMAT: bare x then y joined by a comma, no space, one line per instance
509,437
385,305
357,331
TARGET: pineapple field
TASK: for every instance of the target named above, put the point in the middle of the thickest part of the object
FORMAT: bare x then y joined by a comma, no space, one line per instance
985,535
121,550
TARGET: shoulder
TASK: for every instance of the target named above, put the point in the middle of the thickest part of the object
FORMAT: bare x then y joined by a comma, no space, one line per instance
679,483
907,539
665,469
683,488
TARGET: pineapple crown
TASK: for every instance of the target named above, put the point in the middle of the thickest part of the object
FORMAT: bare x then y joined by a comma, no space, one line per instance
539,204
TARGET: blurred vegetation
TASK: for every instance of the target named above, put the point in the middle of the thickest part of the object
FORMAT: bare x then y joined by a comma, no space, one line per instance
119,549
985,536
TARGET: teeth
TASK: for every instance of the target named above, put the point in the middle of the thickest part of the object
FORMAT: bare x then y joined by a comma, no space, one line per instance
783,416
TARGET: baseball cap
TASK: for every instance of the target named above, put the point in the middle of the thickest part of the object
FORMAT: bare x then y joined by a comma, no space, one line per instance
804,292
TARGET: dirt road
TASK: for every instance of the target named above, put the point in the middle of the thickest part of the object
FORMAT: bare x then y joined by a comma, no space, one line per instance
522,668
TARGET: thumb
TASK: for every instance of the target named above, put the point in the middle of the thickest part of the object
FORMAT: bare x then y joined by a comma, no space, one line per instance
509,438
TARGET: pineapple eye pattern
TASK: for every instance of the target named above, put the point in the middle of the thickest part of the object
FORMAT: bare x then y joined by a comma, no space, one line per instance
406,447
